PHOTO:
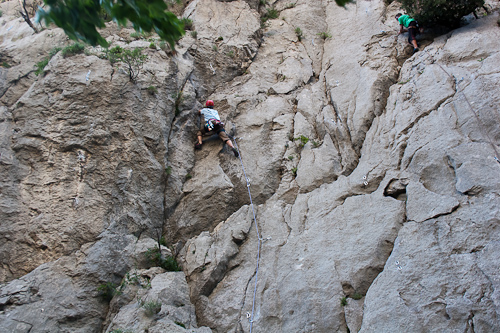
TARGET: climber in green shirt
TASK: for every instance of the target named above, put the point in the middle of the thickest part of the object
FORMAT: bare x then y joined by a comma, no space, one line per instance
406,21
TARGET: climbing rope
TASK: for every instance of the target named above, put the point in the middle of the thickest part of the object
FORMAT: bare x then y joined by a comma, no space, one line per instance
259,240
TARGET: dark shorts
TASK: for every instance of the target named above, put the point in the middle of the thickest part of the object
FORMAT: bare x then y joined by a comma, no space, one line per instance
412,31
221,132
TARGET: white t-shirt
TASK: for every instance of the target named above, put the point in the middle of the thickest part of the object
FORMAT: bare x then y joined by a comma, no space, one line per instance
210,114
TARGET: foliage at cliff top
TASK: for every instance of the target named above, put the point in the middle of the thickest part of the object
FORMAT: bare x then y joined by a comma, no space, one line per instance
342,2
80,18
440,12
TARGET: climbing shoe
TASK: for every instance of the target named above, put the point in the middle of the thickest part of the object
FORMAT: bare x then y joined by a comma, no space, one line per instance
236,153
415,50
197,146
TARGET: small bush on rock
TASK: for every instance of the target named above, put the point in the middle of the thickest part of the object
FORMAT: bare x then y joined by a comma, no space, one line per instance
151,308
73,49
303,140
188,23
136,35
168,263
133,59
357,296
299,34
152,90
179,98
107,291
272,13
40,66
180,324
325,35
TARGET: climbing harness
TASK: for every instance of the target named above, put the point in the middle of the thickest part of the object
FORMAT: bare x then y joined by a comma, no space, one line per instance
212,124
250,316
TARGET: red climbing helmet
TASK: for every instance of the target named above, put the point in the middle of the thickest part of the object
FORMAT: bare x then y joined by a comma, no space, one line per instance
209,103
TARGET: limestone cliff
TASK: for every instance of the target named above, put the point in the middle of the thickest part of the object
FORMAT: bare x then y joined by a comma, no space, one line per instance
372,173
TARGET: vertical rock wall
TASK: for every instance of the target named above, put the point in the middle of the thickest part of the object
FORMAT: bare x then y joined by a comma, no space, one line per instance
372,174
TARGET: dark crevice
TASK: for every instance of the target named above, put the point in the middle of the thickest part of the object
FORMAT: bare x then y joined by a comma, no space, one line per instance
396,189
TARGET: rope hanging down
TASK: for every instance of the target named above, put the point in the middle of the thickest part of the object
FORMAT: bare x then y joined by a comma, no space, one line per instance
259,240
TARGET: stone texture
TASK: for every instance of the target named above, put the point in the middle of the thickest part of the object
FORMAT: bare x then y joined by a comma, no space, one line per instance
324,161
394,197
168,292
62,296
354,314
435,204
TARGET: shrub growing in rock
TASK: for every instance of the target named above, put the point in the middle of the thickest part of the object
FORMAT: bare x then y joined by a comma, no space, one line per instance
133,59
303,140
440,12
188,23
119,330
299,33
152,90
180,324
357,296
136,35
324,35
73,49
107,291
168,263
40,66
151,308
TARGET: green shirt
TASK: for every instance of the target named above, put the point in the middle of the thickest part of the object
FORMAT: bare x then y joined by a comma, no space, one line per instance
405,20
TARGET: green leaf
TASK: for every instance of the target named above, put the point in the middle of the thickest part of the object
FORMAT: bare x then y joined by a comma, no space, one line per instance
446,13
80,19
342,2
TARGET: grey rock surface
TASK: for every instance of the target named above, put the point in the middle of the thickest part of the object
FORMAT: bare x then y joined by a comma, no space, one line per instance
372,175
160,305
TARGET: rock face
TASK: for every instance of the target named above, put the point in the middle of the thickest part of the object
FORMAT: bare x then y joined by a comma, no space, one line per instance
372,174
